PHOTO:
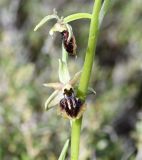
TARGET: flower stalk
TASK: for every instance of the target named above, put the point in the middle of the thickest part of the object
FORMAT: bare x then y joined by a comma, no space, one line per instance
85,77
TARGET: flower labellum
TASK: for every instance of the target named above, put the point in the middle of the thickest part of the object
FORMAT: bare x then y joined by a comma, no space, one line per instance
69,43
70,106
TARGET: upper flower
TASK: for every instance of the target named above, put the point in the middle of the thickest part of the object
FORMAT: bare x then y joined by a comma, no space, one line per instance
65,29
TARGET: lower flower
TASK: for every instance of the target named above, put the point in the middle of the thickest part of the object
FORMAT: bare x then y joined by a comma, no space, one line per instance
69,105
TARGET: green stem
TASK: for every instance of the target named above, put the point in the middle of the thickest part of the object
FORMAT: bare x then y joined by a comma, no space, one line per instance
75,138
85,77
87,68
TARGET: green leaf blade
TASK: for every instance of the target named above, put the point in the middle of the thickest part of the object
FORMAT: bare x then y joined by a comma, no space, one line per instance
104,9
64,150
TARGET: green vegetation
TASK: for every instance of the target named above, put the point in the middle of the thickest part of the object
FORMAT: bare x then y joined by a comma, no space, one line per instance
111,127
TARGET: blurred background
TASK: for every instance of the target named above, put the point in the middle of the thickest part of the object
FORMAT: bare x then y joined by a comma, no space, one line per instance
112,124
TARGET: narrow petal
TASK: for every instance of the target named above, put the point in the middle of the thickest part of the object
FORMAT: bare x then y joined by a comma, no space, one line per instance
75,79
53,85
69,29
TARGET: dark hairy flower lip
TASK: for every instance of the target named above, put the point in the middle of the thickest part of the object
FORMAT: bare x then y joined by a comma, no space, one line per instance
70,106
73,114
70,46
